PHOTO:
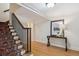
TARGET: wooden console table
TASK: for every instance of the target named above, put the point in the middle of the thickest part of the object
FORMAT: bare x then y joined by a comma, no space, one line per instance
48,37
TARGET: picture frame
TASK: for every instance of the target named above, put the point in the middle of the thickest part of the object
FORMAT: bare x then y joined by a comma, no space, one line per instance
56,28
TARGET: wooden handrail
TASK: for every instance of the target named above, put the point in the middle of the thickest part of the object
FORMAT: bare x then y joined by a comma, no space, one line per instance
19,22
6,10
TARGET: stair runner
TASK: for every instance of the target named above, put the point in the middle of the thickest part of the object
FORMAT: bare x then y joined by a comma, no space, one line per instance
10,43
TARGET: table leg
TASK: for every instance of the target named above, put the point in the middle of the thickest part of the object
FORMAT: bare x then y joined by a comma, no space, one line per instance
66,44
48,44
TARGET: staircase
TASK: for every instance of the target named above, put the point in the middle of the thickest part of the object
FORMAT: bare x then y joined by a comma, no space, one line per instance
10,43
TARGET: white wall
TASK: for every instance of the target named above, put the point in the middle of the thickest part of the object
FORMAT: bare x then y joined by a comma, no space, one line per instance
4,16
4,6
41,31
71,32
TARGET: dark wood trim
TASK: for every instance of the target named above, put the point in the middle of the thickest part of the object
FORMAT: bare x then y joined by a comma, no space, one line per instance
27,40
51,26
19,21
6,10
57,20
63,30
30,40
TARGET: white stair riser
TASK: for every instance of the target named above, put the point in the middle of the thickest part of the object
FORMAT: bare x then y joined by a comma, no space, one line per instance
18,41
22,52
16,37
20,46
11,27
12,30
13,33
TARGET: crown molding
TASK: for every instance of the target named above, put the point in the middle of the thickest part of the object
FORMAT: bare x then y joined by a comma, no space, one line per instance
33,10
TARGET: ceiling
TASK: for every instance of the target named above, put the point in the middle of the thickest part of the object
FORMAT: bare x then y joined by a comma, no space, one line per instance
59,9
38,12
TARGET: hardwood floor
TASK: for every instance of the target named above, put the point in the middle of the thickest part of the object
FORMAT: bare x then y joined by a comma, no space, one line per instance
40,49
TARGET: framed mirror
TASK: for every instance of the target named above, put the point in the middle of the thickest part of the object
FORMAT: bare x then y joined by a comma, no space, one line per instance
56,28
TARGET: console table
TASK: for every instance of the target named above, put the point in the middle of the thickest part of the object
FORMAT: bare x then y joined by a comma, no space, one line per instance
53,36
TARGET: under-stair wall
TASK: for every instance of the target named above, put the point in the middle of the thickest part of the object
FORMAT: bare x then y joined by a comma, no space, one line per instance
24,33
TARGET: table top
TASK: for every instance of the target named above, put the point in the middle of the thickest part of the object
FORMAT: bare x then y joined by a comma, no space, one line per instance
55,36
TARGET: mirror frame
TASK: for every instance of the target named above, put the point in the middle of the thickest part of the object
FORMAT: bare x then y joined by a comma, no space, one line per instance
62,20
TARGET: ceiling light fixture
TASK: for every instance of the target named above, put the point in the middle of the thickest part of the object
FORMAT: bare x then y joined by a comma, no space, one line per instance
49,5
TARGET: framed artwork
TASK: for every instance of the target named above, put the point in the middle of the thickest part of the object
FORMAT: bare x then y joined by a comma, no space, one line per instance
56,28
